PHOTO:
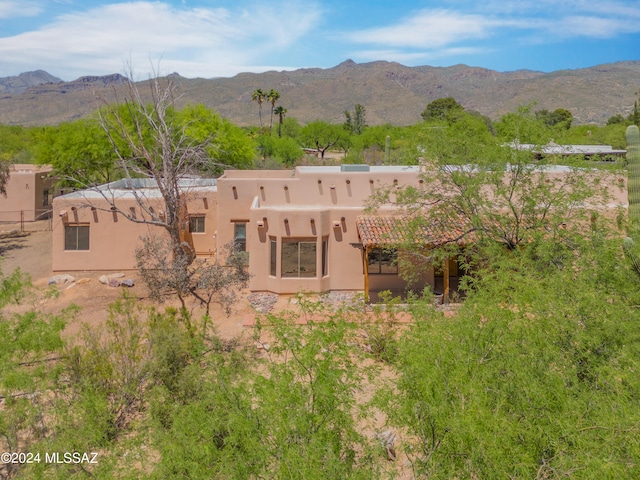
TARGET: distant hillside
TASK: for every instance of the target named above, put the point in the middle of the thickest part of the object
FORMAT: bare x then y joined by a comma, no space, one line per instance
17,85
390,92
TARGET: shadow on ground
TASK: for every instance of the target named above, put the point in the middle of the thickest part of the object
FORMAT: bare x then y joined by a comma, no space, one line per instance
12,241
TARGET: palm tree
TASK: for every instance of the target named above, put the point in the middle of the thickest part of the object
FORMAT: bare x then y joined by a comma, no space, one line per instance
273,97
281,112
259,96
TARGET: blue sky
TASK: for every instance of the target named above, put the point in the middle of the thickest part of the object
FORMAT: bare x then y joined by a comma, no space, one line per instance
200,38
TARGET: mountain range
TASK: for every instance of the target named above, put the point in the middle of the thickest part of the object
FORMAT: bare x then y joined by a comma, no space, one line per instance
390,92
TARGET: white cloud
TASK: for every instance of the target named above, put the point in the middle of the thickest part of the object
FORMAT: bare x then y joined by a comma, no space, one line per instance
540,21
214,41
614,9
18,8
572,18
551,9
193,41
585,26
413,57
427,29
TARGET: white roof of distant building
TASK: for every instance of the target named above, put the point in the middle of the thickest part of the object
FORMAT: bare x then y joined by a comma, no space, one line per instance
555,149
349,168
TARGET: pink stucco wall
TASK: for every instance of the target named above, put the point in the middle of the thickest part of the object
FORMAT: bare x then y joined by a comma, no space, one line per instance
113,238
307,204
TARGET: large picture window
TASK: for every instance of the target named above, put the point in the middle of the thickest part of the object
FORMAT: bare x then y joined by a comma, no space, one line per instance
383,261
76,237
299,258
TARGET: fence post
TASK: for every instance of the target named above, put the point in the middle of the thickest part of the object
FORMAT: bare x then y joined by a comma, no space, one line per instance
21,221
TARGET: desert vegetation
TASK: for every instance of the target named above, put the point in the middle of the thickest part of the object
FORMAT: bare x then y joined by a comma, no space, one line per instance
534,375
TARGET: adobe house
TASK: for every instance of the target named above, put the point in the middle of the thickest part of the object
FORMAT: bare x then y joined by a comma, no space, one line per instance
304,229
300,227
29,193
89,235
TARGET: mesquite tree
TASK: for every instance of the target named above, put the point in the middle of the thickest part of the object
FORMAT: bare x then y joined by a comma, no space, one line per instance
152,140
475,197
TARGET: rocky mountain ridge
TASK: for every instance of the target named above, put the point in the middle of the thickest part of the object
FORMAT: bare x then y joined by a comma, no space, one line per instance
390,92
20,83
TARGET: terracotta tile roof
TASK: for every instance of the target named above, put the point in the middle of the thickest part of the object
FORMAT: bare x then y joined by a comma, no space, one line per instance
376,230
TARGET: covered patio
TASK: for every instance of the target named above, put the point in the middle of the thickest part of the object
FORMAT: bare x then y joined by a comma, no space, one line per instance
387,238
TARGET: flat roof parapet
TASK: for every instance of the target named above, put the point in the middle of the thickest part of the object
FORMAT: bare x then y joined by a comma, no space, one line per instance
257,174
555,149
29,168
136,183
372,169
125,187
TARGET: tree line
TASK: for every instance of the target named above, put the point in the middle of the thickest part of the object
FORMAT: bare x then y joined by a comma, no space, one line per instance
82,145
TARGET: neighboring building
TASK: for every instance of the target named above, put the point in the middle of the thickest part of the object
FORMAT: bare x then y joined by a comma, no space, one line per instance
304,229
29,193
600,153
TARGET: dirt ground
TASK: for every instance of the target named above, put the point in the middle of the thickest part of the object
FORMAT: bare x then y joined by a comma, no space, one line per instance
31,252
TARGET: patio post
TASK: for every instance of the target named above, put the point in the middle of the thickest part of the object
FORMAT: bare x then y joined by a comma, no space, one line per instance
445,281
365,264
